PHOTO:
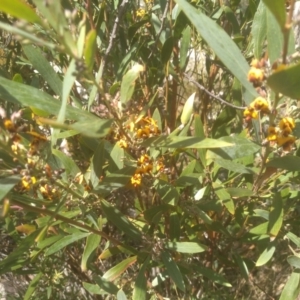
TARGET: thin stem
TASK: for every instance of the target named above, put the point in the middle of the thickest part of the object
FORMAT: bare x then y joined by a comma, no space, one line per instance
201,87
53,214
286,32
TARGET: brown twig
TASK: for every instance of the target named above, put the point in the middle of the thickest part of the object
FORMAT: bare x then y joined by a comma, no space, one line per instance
201,87
113,34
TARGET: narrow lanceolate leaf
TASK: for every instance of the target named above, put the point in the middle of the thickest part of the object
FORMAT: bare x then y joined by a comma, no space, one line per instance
140,286
32,286
278,10
92,242
184,142
19,9
26,95
291,289
120,221
128,82
173,270
290,163
285,81
294,261
276,216
210,274
258,32
90,49
221,43
266,255
62,243
118,269
42,65
186,247
187,109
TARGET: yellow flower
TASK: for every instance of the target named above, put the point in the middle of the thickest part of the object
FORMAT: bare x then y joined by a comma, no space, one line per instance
140,12
143,159
136,180
122,143
27,182
250,113
256,76
260,104
272,133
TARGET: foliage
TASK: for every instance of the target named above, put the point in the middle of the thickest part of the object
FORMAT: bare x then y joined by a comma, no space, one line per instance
141,156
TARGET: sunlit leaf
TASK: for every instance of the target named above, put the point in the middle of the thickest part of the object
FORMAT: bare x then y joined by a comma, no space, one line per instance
118,269
186,247
266,255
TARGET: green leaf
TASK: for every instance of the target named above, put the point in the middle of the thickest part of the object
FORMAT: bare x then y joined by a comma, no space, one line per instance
276,216
184,47
32,286
25,95
234,166
117,156
210,274
92,242
290,163
167,50
187,109
294,261
118,269
222,44
94,289
266,255
40,63
19,9
295,239
62,243
120,221
90,49
18,78
174,226
140,285
260,229
285,81
186,247
291,288
70,166
258,32
107,286
68,83
278,10
274,37
240,147
184,142
242,265
121,295
128,82
6,184
239,192
173,270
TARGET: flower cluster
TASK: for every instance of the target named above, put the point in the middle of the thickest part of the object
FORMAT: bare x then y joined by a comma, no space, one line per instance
258,105
145,128
281,135
145,166
256,73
